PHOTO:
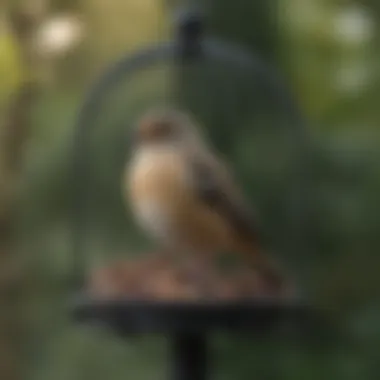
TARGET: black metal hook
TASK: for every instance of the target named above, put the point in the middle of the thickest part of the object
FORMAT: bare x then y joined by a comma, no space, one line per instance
189,28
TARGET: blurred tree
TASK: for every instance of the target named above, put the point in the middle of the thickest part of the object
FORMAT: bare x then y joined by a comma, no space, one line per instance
11,65
24,19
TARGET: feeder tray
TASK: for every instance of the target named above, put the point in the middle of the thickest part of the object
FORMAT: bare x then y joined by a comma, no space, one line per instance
153,294
188,324
129,316
115,301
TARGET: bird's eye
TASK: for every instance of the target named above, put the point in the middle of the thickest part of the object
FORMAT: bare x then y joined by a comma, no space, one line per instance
162,129
156,130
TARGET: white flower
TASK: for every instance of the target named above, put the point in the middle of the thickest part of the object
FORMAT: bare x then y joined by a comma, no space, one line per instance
353,25
58,35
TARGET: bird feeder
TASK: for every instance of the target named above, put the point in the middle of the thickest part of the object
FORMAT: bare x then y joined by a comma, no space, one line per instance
187,324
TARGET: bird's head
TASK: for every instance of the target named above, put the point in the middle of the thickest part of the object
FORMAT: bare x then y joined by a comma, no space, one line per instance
160,127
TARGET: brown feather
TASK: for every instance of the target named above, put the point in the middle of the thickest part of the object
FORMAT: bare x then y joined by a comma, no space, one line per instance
214,186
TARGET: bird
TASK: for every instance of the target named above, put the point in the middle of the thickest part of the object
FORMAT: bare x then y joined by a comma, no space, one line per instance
184,196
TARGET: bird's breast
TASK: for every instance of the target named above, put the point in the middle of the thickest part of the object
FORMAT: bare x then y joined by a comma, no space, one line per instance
157,190
166,204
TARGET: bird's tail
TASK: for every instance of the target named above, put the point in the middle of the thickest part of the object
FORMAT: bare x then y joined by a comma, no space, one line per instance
267,268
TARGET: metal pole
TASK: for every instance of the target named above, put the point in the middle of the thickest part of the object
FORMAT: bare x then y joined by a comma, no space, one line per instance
189,356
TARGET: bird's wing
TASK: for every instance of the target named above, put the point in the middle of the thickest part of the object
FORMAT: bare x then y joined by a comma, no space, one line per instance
213,185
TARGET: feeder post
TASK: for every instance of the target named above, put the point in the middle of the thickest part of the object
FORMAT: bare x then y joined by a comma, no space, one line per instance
189,356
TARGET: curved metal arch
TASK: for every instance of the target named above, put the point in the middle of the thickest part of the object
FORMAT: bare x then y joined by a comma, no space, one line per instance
209,49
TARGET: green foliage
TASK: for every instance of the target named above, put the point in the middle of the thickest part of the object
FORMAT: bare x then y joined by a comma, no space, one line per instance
12,72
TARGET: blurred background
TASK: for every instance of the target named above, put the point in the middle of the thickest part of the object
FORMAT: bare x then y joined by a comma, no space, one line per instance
316,190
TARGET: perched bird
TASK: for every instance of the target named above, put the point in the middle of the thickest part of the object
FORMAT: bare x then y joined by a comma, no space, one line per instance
185,197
